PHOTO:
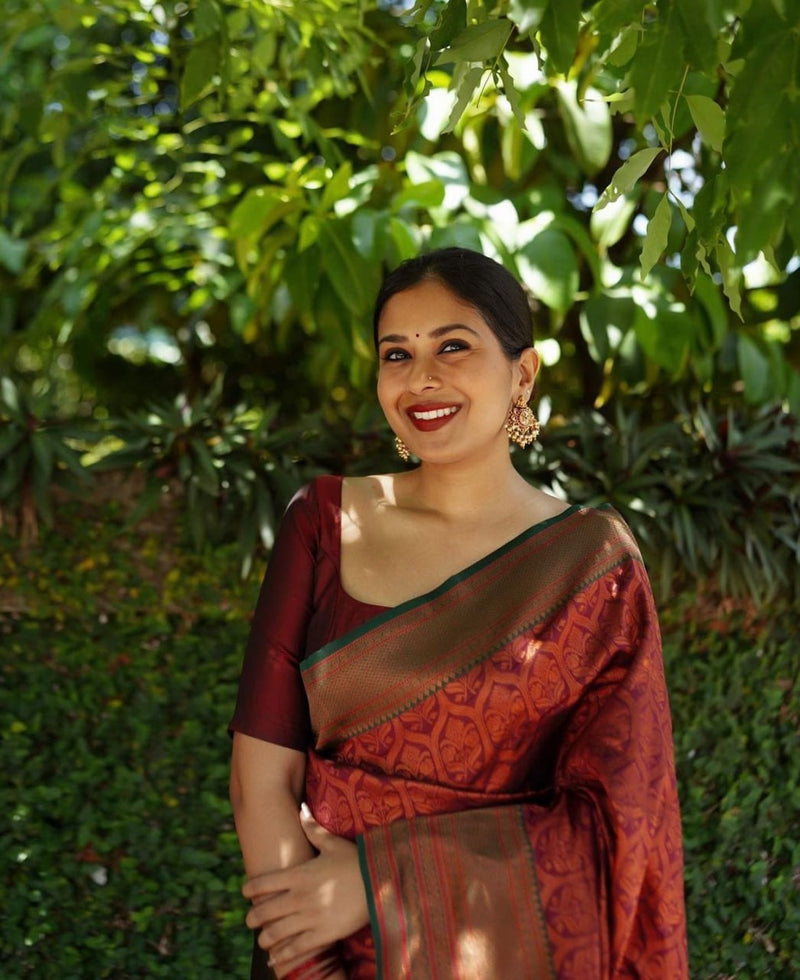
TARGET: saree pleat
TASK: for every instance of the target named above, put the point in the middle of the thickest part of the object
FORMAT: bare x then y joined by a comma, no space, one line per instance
501,751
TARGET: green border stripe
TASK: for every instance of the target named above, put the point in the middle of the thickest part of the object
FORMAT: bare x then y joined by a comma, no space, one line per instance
385,617
363,862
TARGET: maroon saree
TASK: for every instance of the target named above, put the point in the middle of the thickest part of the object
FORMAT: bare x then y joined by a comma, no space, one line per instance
501,751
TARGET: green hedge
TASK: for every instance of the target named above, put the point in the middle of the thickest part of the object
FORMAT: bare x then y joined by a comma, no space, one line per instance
121,652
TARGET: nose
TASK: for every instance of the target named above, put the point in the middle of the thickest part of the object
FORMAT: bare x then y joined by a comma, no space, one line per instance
423,377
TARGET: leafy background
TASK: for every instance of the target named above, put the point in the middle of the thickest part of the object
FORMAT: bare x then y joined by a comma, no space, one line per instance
197,201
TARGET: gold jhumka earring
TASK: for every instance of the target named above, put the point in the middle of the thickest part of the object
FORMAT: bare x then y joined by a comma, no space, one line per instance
402,449
521,424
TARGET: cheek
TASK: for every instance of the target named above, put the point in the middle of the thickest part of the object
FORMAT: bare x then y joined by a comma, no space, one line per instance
383,390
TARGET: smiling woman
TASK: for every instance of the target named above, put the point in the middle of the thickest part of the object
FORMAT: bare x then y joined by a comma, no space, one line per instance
460,677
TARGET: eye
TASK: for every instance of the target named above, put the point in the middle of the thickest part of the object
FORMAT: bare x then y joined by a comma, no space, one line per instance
396,354
453,345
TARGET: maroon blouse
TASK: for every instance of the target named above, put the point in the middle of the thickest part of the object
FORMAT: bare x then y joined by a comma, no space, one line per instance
301,607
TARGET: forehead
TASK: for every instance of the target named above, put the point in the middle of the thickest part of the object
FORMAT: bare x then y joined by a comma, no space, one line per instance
426,306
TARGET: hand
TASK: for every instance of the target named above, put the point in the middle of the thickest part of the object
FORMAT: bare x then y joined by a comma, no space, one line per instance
305,908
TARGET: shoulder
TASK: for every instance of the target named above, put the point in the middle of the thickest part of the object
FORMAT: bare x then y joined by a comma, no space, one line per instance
607,527
599,539
313,505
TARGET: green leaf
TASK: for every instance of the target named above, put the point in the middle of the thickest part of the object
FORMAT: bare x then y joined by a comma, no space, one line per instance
625,47
666,338
337,187
207,19
549,268
466,81
427,194
610,16
709,119
447,167
453,21
700,43
587,125
527,15
754,366
761,113
478,42
349,274
13,252
657,66
202,67
559,32
627,175
731,275
656,238
511,93
604,321
259,210
610,224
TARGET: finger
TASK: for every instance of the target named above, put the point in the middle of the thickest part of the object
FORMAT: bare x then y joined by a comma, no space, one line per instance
296,950
270,910
269,884
316,833
275,934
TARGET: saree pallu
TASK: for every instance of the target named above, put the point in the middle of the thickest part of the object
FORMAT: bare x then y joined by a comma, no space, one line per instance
501,751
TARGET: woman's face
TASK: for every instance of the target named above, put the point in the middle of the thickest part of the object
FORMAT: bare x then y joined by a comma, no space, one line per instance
444,383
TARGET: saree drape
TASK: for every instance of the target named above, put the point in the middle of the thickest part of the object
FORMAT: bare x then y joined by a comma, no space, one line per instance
501,751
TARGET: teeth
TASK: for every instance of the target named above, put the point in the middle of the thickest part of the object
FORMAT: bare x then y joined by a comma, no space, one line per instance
436,413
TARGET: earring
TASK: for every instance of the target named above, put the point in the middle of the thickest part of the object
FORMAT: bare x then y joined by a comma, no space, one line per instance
402,449
521,424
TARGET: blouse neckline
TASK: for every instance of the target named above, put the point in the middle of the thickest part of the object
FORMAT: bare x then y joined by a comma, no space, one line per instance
457,576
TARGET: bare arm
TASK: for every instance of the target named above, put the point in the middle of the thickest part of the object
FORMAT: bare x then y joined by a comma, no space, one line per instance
266,788
266,791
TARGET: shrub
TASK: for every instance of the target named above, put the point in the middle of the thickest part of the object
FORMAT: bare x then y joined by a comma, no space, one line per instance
736,717
118,856
36,452
708,498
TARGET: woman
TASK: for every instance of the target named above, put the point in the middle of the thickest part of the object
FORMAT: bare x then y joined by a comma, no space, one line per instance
461,677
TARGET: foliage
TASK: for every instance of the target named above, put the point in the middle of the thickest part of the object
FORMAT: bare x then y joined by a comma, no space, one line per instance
118,855
195,191
681,67
735,696
35,454
708,498
122,655
236,470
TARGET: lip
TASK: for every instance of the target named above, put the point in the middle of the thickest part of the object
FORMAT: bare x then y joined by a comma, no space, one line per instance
431,424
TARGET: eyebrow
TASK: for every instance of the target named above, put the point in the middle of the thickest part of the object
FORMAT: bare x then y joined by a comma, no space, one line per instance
396,338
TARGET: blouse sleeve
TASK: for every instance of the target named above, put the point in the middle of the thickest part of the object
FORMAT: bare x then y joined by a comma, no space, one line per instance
271,703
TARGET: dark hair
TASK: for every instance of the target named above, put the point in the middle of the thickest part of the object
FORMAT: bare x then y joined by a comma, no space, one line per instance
476,279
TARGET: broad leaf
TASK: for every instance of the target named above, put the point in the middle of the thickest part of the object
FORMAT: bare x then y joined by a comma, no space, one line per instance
700,43
587,125
202,65
350,275
453,21
466,83
548,267
478,42
610,224
527,14
666,338
627,175
709,119
754,366
657,65
656,238
559,33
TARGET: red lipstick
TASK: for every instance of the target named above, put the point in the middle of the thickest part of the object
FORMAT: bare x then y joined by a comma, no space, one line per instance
432,416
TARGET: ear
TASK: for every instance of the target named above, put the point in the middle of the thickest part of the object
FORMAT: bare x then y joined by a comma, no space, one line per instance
527,369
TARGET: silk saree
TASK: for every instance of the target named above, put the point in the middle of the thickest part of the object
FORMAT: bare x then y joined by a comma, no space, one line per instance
501,751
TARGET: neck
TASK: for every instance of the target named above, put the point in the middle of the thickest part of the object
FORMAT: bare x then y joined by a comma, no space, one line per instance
466,489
